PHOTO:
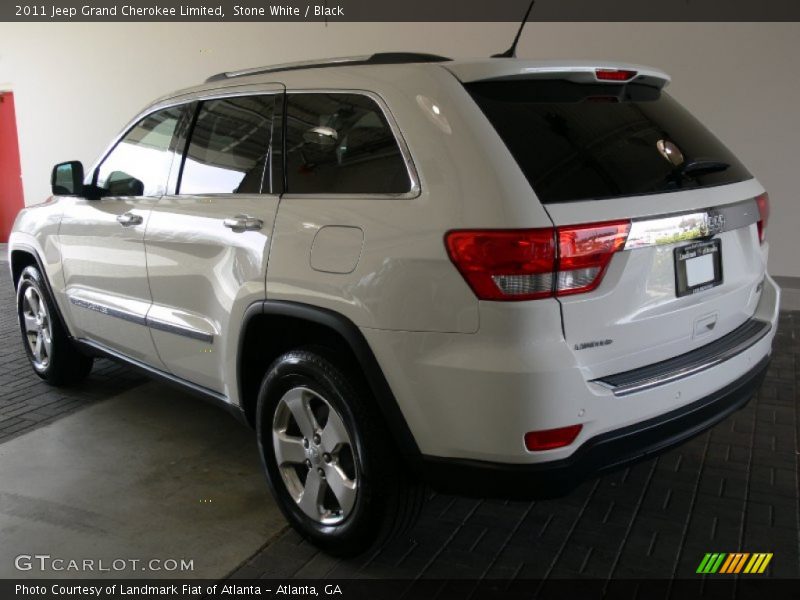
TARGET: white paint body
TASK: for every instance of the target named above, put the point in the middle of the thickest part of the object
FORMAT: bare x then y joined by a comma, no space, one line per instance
470,377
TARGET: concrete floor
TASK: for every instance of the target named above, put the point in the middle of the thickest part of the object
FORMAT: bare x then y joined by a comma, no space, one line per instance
150,473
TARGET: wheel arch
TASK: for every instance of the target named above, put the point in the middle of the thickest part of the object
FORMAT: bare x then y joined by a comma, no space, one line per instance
20,259
272,327
22,256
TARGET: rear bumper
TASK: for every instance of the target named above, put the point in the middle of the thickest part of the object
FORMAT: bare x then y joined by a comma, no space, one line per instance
473,397
600,453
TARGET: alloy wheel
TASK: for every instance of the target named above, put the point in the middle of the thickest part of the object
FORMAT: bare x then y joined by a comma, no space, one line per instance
315,456
38,328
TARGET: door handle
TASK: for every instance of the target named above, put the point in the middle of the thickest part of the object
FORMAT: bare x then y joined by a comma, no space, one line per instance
128,219
241,223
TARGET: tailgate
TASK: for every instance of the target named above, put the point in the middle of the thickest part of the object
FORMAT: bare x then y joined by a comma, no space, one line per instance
636,316
602,157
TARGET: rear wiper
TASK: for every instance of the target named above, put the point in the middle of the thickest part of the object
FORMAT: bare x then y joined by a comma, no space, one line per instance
698,166
677,177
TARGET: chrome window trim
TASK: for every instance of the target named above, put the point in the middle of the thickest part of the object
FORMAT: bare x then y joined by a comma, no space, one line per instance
411,168
131,317
661,230
230,91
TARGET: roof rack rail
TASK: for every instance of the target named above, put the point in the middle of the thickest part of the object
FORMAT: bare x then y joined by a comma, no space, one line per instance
380,58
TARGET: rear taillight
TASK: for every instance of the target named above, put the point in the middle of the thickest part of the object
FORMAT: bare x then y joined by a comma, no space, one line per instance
549,439
763,216
584,252
505,264
527,264
614,74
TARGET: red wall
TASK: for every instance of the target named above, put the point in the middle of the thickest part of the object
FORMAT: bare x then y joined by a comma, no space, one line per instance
10,172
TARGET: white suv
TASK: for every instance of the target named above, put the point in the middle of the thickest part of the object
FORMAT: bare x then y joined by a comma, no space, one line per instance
493,276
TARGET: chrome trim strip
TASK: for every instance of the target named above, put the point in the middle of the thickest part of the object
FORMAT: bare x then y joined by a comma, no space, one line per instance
189,332
110,311
706,362
688,226
125,315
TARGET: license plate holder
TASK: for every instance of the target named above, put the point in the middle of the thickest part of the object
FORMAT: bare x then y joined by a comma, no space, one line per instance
698,267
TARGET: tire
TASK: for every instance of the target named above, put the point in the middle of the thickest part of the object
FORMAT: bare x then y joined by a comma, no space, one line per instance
323,422
50,351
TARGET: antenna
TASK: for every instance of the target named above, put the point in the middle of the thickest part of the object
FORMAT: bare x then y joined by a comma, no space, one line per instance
512,52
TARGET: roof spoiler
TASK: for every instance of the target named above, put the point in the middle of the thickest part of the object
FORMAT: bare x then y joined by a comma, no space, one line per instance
578,72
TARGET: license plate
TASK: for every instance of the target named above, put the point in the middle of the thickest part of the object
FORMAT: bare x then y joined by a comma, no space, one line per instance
698,267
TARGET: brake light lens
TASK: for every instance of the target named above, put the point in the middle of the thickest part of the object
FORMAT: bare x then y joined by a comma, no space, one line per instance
584,252
763,211
614,74
505,264
549,439
528,264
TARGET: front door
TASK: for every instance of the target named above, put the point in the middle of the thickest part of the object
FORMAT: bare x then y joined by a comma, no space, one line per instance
102,240
208,241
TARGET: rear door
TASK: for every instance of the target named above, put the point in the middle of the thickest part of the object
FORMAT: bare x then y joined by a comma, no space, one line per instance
208,240
692,266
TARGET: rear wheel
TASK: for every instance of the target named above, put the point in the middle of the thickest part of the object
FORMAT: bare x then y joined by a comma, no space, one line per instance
50,351
328,458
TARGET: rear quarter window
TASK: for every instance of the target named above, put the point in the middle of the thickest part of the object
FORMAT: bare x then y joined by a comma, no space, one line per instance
582,142
341,143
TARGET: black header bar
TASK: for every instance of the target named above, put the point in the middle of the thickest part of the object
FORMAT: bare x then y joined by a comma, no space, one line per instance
399,10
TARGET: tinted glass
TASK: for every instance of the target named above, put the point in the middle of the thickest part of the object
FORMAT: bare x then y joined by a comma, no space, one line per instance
579,142
341,144
139,164
229,147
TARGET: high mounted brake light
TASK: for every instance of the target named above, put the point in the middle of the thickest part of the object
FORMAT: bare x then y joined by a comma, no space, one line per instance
528,264
614,74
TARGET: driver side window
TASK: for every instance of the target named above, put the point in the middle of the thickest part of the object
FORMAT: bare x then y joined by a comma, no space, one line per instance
139,164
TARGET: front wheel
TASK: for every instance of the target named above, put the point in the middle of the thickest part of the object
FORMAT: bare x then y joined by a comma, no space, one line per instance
50,351
328,458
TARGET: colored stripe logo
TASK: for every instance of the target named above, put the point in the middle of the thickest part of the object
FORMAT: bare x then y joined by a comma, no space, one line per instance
734,563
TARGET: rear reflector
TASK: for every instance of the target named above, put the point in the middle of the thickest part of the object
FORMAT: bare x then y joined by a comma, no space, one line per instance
549,439
763,211
528,264
614,74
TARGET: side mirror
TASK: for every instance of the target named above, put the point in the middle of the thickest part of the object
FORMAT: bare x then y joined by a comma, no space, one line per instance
67,179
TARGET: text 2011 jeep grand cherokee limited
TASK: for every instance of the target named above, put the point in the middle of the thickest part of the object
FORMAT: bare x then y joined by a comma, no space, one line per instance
492,276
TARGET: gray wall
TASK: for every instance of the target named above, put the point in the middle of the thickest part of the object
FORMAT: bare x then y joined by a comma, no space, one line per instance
77,84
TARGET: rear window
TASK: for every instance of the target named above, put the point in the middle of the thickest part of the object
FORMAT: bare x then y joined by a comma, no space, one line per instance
583,142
